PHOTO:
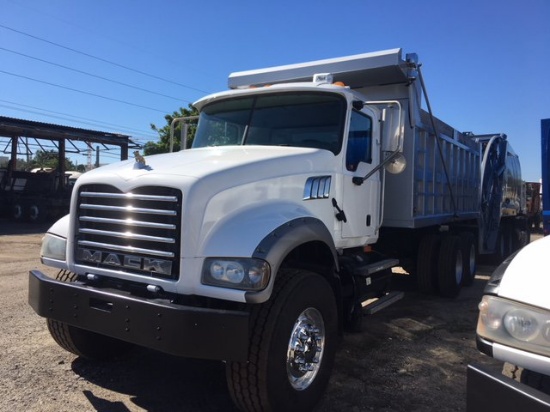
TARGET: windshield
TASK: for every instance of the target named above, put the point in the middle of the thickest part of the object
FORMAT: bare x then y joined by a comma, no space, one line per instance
290,119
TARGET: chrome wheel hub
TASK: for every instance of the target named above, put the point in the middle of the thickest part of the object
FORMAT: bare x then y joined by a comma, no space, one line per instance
305,349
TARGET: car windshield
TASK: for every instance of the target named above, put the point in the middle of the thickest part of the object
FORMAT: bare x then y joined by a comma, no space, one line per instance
290,119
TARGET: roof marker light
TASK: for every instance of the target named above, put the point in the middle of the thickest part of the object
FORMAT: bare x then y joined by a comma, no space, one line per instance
323,78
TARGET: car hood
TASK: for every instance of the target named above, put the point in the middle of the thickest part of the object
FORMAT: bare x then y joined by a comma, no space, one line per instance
527,277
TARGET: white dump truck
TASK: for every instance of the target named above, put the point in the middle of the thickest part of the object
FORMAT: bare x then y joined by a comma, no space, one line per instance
279,228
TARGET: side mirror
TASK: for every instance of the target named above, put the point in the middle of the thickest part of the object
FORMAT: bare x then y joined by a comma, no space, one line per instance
392,128
392,139
397,164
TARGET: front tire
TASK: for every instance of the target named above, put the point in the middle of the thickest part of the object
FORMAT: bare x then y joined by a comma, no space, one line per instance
293,342
89,345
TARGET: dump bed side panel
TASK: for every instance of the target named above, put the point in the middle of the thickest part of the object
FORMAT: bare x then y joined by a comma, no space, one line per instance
441,181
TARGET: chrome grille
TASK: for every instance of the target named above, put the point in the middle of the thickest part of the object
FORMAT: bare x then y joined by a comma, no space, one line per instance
135,232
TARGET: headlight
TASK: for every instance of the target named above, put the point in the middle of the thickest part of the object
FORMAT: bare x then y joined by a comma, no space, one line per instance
514,324
53,247
521,325
236,273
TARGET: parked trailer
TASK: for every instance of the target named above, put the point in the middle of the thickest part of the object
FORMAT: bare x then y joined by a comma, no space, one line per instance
35,196
43,194
305,186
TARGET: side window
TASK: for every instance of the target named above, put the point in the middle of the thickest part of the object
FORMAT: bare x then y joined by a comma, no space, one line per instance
359,141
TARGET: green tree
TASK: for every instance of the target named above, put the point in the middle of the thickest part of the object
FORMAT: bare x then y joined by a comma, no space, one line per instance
163,145
48,159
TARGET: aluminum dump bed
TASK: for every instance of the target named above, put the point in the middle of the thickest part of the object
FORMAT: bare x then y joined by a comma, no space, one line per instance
442,179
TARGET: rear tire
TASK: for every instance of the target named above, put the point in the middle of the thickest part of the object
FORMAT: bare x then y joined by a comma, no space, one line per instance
426,263
469,258
36,213
18,212
504,245
450,266
520,239
89,345
293,341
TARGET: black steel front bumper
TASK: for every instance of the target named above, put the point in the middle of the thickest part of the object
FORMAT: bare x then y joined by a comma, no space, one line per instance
175,329
489,390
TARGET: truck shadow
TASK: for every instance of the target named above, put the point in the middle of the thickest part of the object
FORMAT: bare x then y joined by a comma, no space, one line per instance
157,382
409,332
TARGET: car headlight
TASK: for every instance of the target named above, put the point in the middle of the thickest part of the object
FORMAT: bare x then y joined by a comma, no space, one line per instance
236,273
514,324
53,247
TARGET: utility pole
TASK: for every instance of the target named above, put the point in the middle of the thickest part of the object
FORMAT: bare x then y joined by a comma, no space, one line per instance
89,157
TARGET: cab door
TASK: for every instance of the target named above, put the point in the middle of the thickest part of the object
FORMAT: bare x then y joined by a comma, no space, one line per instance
361,202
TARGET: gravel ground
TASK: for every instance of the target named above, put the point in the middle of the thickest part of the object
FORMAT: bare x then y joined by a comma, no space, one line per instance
412,356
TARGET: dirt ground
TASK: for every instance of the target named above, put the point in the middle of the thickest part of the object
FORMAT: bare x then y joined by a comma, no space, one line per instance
412,356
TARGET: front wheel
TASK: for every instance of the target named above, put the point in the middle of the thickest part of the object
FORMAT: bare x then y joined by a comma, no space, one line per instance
293,342
86,344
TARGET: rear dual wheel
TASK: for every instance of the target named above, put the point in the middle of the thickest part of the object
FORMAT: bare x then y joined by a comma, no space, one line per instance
426,263
445,263
510,239
18,212
450,266
504,245
37,213
469,257
33,212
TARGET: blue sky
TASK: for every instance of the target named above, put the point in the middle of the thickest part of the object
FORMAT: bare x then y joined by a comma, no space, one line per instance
486,63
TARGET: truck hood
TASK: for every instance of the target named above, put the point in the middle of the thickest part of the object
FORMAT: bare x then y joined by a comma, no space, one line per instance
527,277
233,162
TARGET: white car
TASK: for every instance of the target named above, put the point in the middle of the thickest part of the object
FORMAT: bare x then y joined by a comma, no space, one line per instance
514,327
